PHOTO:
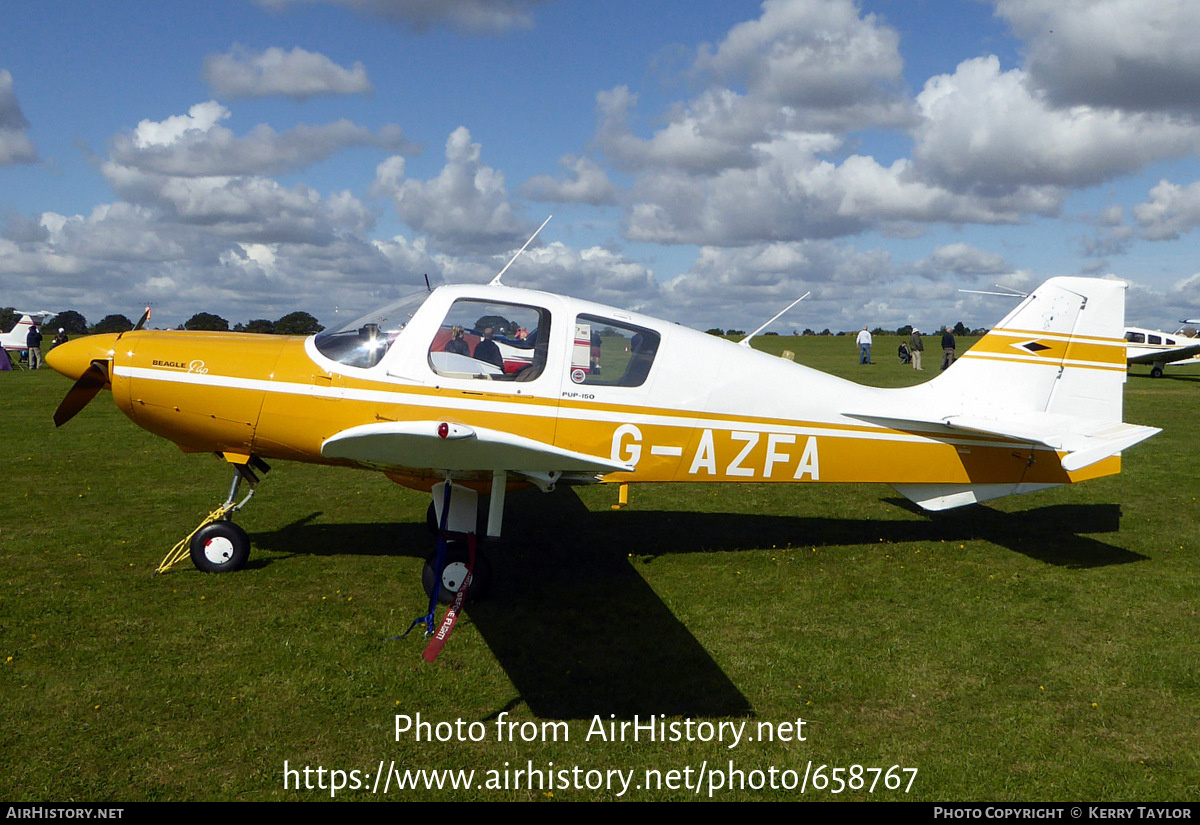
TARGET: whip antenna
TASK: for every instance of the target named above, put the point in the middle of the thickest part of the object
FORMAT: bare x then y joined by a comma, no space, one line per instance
496,281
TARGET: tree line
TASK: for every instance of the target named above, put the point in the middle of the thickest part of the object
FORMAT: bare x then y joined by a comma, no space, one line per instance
294,323
960,329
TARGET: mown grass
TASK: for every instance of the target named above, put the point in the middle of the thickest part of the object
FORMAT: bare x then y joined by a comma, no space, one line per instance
1039,648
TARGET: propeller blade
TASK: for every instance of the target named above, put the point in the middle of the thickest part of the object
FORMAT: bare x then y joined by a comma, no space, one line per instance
142,321
91,382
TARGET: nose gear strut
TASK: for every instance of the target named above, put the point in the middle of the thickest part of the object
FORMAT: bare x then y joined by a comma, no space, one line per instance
217,545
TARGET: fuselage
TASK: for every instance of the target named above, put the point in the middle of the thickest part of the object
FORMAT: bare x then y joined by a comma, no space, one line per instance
668,402
1151,346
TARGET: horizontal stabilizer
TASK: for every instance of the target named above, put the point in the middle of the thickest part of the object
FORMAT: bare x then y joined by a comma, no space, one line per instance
440,445
1101,445
1083,441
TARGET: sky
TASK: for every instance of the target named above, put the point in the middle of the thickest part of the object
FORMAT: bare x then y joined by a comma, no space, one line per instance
706,161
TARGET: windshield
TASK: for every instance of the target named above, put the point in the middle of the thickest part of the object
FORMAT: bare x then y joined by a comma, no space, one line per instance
364,341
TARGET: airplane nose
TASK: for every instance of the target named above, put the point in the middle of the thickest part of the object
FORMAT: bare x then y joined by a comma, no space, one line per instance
73,358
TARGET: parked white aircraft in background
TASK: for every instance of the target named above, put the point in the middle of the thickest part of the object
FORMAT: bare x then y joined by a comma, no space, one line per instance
1157,348
15,338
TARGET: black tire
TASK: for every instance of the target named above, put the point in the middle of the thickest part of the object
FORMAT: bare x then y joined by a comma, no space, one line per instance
220,547
457,557
1156,372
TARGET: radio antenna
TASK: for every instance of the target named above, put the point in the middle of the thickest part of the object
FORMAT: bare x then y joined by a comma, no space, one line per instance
1010,293
496,281
745,342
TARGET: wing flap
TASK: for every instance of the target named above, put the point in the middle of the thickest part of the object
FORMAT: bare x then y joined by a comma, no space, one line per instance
440,445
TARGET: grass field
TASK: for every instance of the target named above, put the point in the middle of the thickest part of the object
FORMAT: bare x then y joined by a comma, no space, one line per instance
1037,648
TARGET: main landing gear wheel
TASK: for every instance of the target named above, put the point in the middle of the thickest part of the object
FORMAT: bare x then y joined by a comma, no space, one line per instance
455,571
220,547
1156,372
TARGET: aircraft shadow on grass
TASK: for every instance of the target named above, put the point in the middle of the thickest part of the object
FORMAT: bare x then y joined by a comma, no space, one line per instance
579,632
1168,376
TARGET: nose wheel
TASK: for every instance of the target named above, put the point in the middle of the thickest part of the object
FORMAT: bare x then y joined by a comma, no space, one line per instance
220,547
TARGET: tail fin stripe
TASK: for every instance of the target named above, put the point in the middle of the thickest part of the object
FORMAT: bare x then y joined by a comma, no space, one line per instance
1033,360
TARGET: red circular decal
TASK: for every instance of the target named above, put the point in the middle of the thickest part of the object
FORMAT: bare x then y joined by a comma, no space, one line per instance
578,375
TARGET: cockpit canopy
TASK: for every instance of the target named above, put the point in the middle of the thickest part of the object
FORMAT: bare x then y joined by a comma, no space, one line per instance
364,341
484,336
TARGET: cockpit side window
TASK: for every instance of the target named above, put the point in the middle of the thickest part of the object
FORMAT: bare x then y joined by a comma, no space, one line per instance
364,341
1135,337
492,341
611,353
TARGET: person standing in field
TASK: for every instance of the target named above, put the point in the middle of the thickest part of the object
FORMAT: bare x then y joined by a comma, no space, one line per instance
864,346
915,349
33,341
947,348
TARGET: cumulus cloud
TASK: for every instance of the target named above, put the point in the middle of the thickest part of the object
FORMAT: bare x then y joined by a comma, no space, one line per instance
765,152
196,145
594,273
465,209
767,277
199,120
243,207
587,183
803,66
794,193
115,232
1172,211
298,74
202,225
194,172
122,255
470,16
962,260
15,145
1154,307
706,137
1136,55
1184,297
811,66
983,128
821,58
751,166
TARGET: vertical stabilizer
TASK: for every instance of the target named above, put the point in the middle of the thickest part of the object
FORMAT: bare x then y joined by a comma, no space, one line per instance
1051,375
1061,351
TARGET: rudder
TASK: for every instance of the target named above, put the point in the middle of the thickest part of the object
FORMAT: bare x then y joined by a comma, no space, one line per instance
1060,351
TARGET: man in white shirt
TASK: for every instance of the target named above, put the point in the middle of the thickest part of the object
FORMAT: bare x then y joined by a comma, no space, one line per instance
864,346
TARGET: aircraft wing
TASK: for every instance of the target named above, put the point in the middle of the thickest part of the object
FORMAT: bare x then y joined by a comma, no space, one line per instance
1084,442
441,445
1166,356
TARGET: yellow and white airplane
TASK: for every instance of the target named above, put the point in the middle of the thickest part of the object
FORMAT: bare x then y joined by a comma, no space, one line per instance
1157,348
584,393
